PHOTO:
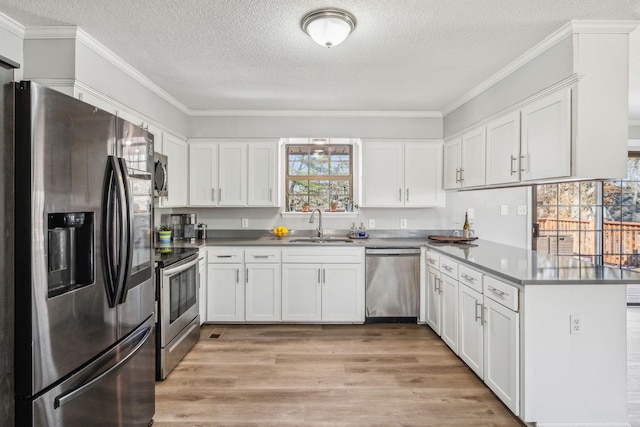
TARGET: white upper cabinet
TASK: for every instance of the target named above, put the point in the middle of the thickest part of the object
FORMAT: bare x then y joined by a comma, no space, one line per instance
545,142
452,163
262,175
503,149
242,173
176,151
232,175
473,155
402,174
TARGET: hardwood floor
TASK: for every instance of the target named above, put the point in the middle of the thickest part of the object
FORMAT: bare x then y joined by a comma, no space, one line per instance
347,375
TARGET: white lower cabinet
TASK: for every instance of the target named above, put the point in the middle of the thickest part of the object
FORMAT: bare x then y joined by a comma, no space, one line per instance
263,297
331,291
225,285
449,306
433,289
502,354
471,335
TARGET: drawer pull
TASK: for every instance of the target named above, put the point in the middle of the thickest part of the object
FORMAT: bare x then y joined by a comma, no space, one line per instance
262,256
497,292
469,278
431,261
224,256
446,267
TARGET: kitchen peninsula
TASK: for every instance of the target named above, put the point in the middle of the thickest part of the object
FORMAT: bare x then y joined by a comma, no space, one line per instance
547,334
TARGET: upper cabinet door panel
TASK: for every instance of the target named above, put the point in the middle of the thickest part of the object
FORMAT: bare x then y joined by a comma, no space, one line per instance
383,180
423,175
503,149
203,174
232,177
452,163
473,155
546,137
262,174
176,151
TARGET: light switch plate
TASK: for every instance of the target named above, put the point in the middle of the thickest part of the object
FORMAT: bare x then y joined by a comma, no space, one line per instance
372,223
245,222
403,223
522,209
471,213
504,210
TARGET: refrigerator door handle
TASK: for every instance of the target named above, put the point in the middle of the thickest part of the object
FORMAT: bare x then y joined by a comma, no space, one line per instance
67,397
114,218
128,242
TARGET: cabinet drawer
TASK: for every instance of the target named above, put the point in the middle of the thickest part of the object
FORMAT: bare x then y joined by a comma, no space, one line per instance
262,255
449,267
501,292
470,277
225,255
433,259
336,255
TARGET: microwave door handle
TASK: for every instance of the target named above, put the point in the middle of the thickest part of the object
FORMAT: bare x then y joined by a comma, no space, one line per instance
128,225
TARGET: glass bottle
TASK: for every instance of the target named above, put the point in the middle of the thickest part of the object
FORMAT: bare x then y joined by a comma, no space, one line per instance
465,226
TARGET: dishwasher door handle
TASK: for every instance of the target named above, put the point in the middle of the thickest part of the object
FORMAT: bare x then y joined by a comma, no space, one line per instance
391,252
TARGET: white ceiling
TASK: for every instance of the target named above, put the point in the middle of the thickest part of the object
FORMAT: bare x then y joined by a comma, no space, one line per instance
405,55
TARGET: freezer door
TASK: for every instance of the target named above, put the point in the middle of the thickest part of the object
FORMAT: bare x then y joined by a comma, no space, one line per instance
118,389
63,318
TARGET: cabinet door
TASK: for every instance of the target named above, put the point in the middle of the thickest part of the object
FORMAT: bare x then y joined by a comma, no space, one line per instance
383,174
232,176
263,297
452,163
503,149
203,174
502,354
202,283
449,311
176,151
546,137
301,292
423,175
225,292
471,342
473,157
262,174
433,299
342,293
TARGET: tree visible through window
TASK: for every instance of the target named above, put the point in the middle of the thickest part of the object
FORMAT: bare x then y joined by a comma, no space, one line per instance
319,176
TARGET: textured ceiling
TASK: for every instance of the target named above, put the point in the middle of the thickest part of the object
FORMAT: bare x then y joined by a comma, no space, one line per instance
405,55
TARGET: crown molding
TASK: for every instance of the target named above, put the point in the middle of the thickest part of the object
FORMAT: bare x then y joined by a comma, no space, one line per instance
567,30
12,25
314,113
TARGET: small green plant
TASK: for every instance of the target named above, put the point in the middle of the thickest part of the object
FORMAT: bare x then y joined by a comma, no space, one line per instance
164,228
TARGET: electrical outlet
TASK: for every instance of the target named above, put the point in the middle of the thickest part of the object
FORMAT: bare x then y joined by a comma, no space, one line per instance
471,213
403,223
245,222
504,210
372,223
522,209
576,324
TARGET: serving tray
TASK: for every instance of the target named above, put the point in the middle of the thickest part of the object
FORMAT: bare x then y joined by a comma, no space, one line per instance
453,239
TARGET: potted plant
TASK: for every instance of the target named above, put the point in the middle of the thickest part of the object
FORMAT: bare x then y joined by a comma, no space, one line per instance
333,205
305,207
164,234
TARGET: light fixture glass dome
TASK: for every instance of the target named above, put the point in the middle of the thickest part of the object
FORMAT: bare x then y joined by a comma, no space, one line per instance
328,27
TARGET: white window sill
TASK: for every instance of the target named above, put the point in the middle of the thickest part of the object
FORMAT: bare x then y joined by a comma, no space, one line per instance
325,214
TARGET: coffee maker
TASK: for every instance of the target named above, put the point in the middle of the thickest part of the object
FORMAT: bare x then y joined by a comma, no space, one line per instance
183,226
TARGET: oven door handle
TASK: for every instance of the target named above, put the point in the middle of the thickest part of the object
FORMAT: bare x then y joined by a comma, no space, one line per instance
179,269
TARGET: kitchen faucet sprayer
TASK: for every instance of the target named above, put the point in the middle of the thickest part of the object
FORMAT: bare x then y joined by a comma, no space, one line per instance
319,229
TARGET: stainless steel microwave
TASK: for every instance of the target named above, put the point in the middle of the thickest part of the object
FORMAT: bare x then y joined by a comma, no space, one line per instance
160,175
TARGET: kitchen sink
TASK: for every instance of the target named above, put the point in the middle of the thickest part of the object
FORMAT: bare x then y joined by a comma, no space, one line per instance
321,240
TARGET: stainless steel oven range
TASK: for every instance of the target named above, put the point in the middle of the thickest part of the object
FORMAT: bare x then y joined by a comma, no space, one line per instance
178,320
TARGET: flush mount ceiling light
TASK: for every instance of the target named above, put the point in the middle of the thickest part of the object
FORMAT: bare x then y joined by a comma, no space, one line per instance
328,27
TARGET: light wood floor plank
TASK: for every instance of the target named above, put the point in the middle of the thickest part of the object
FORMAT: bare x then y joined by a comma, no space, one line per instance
324,375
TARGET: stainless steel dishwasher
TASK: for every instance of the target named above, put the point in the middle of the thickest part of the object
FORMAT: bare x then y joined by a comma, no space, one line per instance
392,285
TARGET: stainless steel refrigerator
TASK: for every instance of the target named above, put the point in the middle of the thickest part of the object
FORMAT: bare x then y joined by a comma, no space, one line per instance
84,288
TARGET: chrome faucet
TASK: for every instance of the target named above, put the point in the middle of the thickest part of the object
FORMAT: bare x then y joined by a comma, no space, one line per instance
319,229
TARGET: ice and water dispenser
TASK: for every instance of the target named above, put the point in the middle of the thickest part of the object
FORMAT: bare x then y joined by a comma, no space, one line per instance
70,251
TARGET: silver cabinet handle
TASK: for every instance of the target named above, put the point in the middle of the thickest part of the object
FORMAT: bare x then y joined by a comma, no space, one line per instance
478,316
237,275
399,194
319,277
522,162
483,318
513,165
457,175
469,278
220,194
261,256
324,275
497,292
461,175
435,285
270,194
407,197
246,277
213,194
431,261
446,267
